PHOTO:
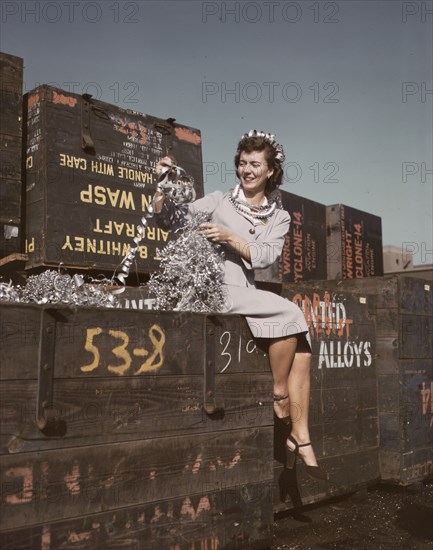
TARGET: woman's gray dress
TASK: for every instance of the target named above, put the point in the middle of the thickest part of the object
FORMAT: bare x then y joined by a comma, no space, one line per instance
268,315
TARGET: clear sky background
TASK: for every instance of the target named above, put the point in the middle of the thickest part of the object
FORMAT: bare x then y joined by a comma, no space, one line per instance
346,86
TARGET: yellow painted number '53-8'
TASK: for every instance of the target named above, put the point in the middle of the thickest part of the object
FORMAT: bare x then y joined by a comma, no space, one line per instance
153,361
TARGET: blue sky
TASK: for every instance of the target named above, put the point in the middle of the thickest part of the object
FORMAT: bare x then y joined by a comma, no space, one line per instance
345,86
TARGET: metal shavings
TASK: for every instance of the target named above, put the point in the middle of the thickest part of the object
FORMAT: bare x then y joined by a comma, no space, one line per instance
8,293
177,185
191,276
52,287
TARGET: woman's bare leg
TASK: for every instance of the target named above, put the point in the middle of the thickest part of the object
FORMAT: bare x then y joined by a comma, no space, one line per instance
290,360
281,355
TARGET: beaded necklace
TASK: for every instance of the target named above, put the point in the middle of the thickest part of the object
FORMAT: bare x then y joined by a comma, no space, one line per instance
255,214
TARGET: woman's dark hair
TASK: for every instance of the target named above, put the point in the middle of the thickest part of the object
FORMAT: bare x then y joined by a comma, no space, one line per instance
251,144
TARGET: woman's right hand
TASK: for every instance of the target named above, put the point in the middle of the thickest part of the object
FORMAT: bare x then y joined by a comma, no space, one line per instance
158,201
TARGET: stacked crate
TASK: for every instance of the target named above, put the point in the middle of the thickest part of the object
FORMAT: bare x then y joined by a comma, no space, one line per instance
354,243
343,414
304,252
326,242
11,99
91,175
404,328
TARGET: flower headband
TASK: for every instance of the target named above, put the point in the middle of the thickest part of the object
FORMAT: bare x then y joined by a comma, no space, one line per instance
270,139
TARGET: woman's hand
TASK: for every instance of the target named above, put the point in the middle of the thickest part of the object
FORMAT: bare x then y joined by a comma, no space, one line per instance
216,232
221,234
158,201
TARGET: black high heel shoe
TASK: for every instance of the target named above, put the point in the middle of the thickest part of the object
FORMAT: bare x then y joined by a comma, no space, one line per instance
277,399
316,472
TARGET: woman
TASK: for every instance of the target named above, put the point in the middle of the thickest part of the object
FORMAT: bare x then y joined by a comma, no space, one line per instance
251,225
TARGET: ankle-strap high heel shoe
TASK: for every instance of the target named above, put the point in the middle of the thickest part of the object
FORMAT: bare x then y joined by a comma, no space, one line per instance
277,399
317,472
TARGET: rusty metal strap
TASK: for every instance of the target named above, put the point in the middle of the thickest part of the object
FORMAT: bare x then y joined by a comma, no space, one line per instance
86,139
47,419
211,403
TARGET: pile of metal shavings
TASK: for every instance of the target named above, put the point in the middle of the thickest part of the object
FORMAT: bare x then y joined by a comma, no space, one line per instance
8,293
52,287
191,272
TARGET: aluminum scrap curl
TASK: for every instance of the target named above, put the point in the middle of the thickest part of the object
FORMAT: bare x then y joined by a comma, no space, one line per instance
53,287
175,183
191,276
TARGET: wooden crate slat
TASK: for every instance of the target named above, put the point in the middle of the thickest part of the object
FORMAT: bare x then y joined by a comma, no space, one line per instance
415,296
416,333
11,121
11,72
93,342
11,113
92,479
213,519
10,201
101,410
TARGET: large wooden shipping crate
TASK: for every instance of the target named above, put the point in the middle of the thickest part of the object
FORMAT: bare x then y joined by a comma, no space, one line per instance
354,243
91,176
133,429
404,328
11,115
343,414
304,253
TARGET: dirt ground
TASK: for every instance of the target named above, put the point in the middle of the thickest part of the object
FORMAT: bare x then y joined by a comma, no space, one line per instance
382,517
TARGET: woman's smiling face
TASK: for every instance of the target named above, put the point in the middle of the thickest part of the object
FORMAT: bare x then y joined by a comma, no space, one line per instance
253,172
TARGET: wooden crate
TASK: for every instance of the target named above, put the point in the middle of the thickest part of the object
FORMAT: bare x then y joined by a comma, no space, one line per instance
135,297
11,115
354,243
91,176
343,403
404,329
343,414
304,252
105,441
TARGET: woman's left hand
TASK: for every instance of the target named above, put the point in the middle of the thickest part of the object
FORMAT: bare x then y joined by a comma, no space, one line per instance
215,232
221,234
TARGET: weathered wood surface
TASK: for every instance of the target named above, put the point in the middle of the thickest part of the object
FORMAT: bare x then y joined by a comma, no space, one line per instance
404,328
96,478
354,243
114,410
304,253
99,343
236,518
11,120
10,197
343,414
11,70
84,204
341,328
159,356
343,404
129,456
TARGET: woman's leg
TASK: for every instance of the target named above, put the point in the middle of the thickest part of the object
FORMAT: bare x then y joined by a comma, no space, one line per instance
290,360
